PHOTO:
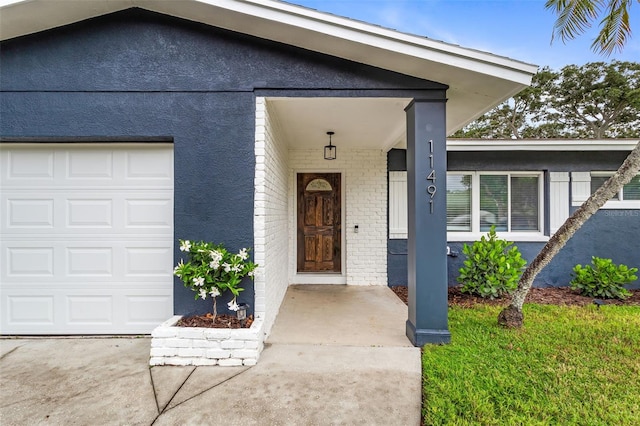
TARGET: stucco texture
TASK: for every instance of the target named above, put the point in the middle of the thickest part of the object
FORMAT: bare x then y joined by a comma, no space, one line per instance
137,74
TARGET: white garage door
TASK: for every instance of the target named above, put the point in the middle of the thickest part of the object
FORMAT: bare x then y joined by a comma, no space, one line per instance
86,238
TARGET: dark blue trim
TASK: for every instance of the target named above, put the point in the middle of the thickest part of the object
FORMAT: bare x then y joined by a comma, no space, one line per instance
86,139
426,200
421,337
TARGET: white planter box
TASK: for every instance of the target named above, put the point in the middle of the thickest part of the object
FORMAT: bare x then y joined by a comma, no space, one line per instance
171,345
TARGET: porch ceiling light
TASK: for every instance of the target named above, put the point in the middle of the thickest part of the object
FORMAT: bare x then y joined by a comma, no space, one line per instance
330,150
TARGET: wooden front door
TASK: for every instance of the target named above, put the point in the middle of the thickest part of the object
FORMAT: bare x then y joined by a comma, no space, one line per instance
319,227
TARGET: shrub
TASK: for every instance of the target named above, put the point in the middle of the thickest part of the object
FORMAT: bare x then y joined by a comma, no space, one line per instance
211,270
603,279
492,268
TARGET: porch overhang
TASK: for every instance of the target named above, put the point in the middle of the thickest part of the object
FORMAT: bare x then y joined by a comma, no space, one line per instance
477,80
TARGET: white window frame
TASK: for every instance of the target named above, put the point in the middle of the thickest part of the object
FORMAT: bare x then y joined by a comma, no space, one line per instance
476,233
620,203
398,209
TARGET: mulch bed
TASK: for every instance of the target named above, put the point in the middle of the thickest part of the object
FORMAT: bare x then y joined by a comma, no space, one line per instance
543,296
222,321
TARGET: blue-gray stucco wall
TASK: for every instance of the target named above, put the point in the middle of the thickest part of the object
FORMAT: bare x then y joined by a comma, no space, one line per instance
613,234
138,74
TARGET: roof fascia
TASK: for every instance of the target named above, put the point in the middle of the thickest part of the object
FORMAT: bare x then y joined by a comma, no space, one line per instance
541,144
22,17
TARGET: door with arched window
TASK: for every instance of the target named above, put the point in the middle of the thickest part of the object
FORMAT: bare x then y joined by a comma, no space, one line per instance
319,222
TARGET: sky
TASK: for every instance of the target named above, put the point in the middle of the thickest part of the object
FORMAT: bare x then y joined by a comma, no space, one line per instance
518,29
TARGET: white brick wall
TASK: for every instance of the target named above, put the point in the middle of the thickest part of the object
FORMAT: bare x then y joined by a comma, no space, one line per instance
172,345
271,219
364,175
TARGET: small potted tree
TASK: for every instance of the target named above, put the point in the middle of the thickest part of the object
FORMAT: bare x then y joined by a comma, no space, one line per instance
212,270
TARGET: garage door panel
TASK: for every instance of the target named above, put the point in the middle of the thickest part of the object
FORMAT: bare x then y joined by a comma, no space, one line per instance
148,261
86,238
23,166
25,212
73,164
89,261
89,164
28,262
148,308
30,310
89,310
94,211
144,166
148,213
89,213
139,167
84,311
68,260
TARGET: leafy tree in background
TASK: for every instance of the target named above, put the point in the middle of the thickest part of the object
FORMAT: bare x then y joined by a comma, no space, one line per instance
516,117
594,101
597,100
573,17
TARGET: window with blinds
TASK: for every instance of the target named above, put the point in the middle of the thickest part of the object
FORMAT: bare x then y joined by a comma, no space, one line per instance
525,203
629,192
512,201
458,202
494,202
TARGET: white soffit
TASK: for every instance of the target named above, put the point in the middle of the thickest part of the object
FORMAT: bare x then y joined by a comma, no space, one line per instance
477,80
358,123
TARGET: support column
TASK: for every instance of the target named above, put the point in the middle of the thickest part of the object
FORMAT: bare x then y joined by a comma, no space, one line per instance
427,239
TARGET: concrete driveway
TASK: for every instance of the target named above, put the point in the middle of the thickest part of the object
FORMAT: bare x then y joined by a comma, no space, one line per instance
298,379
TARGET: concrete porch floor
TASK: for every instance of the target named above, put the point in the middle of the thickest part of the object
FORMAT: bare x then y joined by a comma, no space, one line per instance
335,357
341,315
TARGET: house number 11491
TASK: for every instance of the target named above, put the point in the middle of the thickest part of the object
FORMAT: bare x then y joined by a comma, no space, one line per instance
431,189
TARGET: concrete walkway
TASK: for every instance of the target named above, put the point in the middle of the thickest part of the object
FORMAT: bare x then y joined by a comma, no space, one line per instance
335,357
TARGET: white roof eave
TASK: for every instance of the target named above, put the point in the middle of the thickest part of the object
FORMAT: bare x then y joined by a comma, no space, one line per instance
473,145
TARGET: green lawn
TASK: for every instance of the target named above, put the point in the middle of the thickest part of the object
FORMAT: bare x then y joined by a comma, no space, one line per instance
567,366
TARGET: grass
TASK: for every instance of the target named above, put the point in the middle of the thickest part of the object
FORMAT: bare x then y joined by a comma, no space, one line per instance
567,366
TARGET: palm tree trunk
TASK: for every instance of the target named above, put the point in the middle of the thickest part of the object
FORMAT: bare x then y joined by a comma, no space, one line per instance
512,316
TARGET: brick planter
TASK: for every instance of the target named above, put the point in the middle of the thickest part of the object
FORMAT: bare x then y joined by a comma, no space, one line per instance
226,347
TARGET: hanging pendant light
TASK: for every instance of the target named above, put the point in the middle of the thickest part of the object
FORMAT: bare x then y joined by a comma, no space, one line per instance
330,150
